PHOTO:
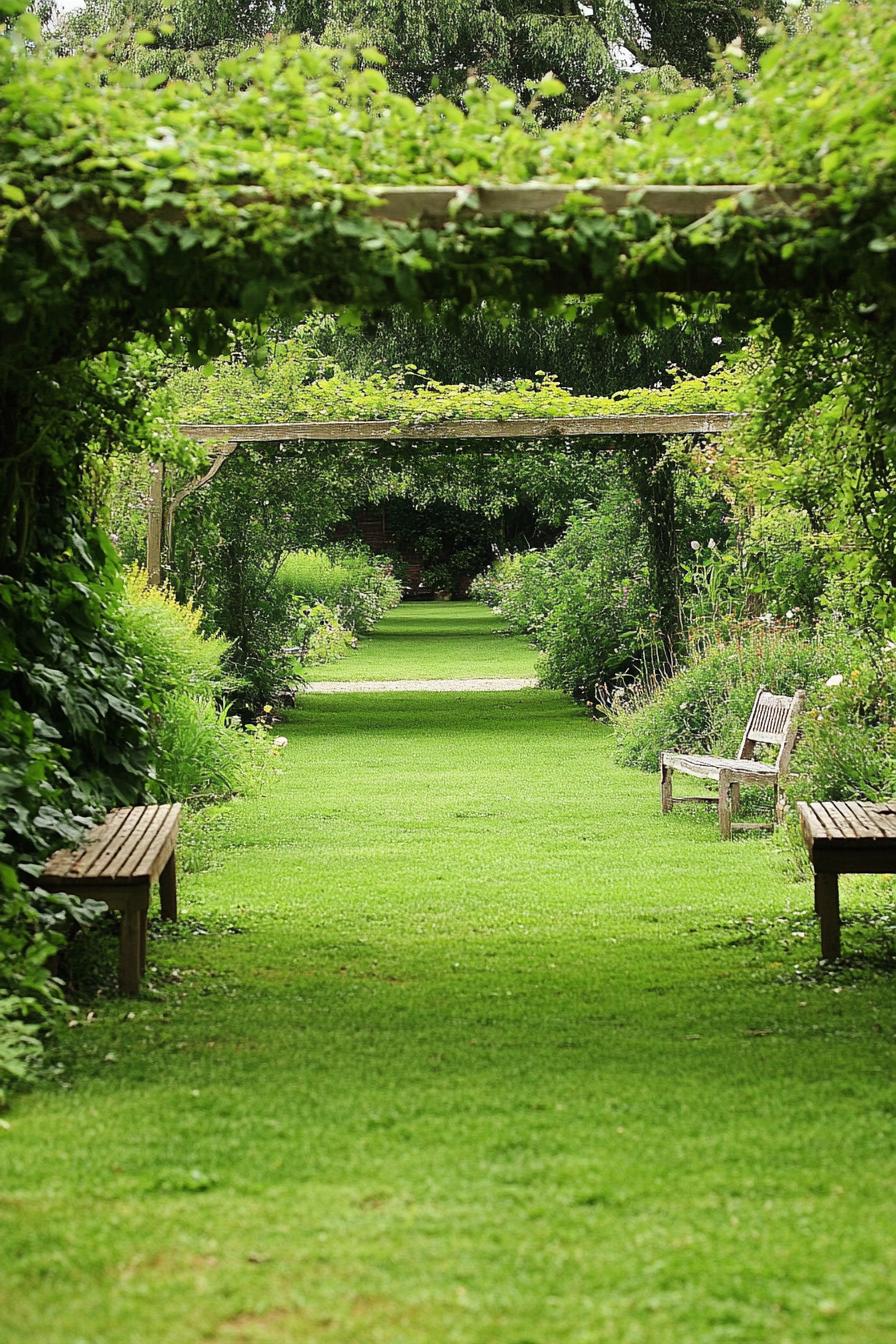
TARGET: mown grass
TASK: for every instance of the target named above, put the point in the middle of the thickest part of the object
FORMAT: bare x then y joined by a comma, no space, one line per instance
475,1047
433,640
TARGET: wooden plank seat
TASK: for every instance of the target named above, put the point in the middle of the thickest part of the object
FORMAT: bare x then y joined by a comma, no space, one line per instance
845,838
117,862
773,721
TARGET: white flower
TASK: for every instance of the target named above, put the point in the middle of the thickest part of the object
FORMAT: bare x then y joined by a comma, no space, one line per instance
836,680
695,545
789,615
712,543
717,340
767,618
281,741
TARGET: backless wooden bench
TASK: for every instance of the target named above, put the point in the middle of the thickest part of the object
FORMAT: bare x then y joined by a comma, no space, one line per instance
117,863
845,838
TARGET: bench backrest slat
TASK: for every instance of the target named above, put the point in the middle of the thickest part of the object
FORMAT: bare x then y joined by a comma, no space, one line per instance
773,721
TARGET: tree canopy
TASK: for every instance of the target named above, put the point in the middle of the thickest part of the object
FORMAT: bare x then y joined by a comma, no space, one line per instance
436,47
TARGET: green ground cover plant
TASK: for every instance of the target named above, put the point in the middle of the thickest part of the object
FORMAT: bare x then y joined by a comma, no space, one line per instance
461,1040
434,641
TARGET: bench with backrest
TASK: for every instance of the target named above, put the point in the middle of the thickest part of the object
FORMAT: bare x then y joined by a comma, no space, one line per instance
773,721
117,863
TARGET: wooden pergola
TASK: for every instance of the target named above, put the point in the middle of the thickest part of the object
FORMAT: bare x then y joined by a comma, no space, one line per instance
439,206
225,439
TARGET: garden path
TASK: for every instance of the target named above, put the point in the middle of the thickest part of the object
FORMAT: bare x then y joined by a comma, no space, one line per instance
425,642
460,1040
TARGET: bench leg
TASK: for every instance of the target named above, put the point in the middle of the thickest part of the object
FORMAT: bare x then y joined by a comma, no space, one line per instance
168,889
724,805
735,799
665,786
827,907
131,947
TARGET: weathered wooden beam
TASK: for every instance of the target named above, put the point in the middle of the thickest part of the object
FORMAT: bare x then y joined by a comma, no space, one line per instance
155,516
709,422
440,204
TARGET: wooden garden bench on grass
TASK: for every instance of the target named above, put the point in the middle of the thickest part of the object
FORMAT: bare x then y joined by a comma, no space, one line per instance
773,720
845,838
118,862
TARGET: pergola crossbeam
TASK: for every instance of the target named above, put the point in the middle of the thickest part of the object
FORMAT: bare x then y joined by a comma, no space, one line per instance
703,422
224,439
439,205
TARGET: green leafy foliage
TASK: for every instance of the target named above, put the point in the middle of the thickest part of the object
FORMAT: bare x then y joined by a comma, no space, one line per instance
356,584
705,706
822,440
167,635
203,753
231,539
586,601
319,635
73,741
848,748
256,192
281,392
773,563
200,752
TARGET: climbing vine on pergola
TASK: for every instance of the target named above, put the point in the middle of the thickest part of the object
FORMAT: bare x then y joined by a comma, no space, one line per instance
300,179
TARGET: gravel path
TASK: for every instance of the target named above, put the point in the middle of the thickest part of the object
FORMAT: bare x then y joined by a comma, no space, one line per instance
451,684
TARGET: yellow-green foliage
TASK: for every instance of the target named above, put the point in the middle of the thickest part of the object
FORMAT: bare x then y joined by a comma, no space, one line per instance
199,752
173,648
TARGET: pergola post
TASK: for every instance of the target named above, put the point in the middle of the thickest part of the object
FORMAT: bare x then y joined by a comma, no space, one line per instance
155,524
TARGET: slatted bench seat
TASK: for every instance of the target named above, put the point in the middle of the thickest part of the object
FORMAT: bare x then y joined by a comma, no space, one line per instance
117,863
772,722
845,838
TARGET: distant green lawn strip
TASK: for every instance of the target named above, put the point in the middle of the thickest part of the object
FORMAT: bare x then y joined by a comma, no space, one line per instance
433,640
469,1045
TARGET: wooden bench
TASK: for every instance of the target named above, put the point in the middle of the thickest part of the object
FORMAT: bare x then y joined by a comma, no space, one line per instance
845,838
774,721
117,863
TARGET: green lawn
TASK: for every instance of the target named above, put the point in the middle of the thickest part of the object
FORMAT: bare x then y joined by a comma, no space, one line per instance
433,640
478,1048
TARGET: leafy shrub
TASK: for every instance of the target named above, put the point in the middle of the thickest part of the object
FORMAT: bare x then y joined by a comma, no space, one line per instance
586,601
355,584
73,741
777,566
705,705
200,752
516,587
174,650
848,747
203,753
320,636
